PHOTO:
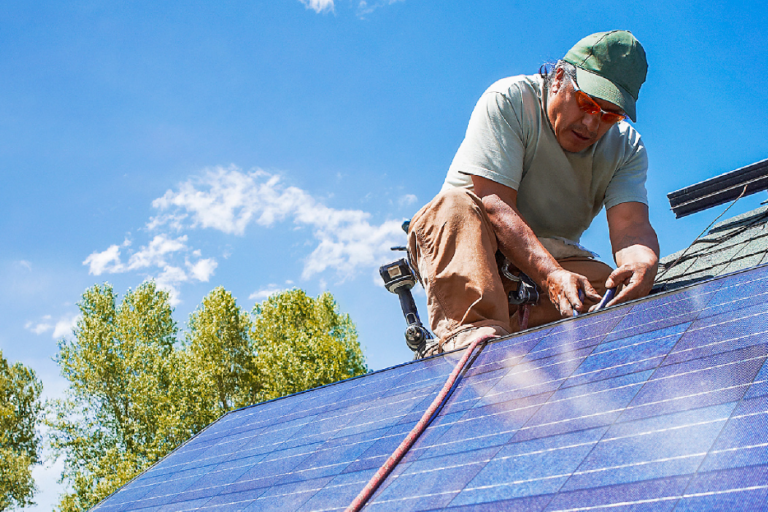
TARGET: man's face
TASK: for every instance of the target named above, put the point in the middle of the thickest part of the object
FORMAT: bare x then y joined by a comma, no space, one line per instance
575,129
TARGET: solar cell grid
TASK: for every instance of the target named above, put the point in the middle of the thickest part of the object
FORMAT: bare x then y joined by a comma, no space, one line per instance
495,357
661,404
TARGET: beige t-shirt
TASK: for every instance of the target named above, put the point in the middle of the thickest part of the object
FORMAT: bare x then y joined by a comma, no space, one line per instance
511,141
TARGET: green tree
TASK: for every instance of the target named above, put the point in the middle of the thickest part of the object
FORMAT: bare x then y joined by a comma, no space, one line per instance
20,412
302,343
221,352
130,401
135,394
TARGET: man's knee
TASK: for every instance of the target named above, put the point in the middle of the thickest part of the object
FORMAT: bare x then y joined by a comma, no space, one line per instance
452,206
457,198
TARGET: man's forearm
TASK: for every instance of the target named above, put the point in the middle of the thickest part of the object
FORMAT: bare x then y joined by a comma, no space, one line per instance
635,249
637,242
518,242
521,246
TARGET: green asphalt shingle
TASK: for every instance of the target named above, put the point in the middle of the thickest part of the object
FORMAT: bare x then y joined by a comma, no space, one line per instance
734,244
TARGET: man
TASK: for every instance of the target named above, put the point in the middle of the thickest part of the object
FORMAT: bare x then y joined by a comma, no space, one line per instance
541,157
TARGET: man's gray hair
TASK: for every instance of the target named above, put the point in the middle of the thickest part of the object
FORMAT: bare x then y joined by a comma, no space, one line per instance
549,70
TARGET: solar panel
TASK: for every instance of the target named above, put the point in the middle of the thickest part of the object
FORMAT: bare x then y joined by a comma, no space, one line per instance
657,404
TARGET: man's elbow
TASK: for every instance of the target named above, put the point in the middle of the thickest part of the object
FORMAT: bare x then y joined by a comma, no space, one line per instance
491,203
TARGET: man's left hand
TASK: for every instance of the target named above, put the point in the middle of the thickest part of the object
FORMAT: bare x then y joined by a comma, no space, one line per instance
636,250
637,276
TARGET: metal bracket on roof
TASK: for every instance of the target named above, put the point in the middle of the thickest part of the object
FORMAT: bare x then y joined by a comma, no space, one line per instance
720,189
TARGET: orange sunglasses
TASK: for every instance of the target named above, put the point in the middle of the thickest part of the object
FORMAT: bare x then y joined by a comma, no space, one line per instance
588,105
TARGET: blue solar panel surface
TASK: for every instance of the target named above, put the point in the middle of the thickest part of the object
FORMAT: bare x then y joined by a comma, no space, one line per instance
657,405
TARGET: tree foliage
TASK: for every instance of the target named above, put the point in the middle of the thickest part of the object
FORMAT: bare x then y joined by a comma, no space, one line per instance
136,393
302,343
20,411
221,351
129,401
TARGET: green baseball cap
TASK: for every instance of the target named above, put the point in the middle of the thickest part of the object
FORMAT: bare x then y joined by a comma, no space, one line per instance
610,66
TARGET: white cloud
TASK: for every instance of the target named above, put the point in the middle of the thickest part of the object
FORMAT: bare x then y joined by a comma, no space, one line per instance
61,328
158,255
26,264
319,5
408,199
44,325
229,200
65,326
172,275
265,293
364,7
169,280
154,254
105,261
348,241
40,328
172,222
203,269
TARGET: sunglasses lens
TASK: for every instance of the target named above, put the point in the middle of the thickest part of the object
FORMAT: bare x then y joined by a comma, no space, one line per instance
588,105
610,117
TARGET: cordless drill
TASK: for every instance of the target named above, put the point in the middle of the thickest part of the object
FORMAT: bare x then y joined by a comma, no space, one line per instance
399,279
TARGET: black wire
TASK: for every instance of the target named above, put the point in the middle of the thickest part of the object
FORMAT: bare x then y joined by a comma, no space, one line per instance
706,230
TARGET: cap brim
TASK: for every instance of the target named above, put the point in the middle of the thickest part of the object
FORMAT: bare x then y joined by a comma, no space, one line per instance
602,88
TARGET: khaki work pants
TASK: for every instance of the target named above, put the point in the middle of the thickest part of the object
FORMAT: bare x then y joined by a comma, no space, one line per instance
452,246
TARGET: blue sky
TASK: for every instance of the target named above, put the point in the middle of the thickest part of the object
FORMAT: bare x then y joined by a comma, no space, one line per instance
269,144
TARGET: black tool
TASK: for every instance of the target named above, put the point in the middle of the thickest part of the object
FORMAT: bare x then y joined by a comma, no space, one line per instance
527,292
399,279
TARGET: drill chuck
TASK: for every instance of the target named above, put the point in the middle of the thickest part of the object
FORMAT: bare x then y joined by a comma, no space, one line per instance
416,336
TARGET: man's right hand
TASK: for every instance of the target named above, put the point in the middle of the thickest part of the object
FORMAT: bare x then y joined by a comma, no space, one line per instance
563,287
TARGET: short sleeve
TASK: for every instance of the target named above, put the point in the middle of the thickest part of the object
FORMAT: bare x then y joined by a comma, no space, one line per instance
493,146
628,182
